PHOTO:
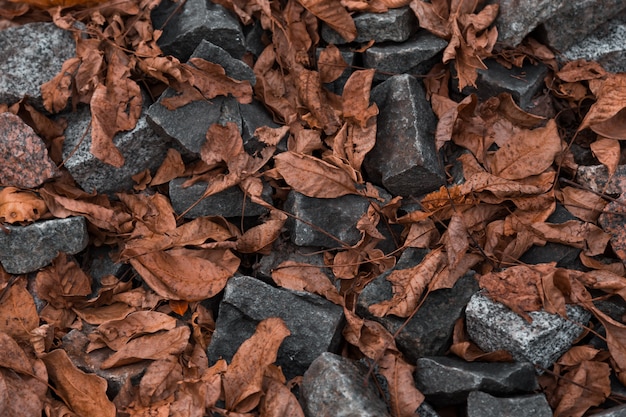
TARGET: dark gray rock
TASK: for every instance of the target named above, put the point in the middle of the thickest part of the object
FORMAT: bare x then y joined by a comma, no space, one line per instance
606,45
429,332
32,54
577,19
595,178
141,147
100,265
517,18
565,256
334,386
315,323
234,68
404,160
229,203
522,83
426,410
481,404
447,380
619,411
24,160
396,25
286,251
255,38
316,218
253,116
27,248
186,24
75,345
493,326
415,56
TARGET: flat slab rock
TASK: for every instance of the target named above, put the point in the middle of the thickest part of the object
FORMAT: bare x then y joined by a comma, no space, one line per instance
24,160
315,323
27,248
334,386
447,380
493,326
481,404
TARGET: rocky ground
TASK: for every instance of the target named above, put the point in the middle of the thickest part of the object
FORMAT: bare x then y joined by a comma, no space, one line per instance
349,203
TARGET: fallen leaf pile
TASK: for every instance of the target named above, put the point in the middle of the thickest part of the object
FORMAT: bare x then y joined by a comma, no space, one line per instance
512,163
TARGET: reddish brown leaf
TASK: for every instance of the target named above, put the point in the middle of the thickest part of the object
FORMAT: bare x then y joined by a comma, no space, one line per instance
369,336
583,204
20,206
223,144
313,177
172,167
305,277
85,394
611,96
333,13
608,153
405,398
18,311
331,64
58,90
243,379
261,237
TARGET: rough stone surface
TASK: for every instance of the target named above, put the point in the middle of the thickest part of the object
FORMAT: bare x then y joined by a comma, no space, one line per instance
415,56
315,323
522,83
606,45
493,326
481,404
100,265
429,332
447,380
404,160
619,411
32,54
334,386
24,161
565,256
595,178
286,251
27,248
229,203
396,25
234,68
141,147
517,18
75,344
186,24
612,222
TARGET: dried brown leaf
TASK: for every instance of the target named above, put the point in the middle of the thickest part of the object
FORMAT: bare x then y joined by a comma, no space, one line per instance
243,379
261,237
611,96
608,153
304,277
20,206
405,398
172,167
583,387
331,64
333,13
18,311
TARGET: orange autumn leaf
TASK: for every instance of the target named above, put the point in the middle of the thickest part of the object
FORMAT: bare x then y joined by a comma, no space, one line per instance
243,379
331,64
20,206
334,14
172,167
608,153
304,277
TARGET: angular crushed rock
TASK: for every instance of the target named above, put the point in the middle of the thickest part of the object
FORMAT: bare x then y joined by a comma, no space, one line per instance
24,160
141,147
186,24
481,404
493,326
619,411
612,222
315,323
404,160
229,203
429,331
32,54
447,380
334,386
595,178
517,18
396,25
25,249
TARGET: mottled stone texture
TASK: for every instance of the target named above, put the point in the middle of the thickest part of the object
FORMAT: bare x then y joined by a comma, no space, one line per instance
517,18
32,54
480,404
27,248
334,386
24,160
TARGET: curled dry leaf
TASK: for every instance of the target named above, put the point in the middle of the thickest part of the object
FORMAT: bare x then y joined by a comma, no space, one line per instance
331,64
405,398
610,95
585,386
20,206
334,14
608,153
18,311
261,237
583,204
84,394
243,379
172,167
304,277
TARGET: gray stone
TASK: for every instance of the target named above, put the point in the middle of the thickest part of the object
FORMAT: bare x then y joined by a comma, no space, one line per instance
286,251
229,203
481,404
255,38
27,248
517,18
493,326
100,265
253,116
619,411
396,25
576,19
75,345
522,83
234,68
317,218
565,256
334,386
186,24
32,54
448,380
315,323
404,160
429,331
426,410
606,45
415,56
595,178
141,147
